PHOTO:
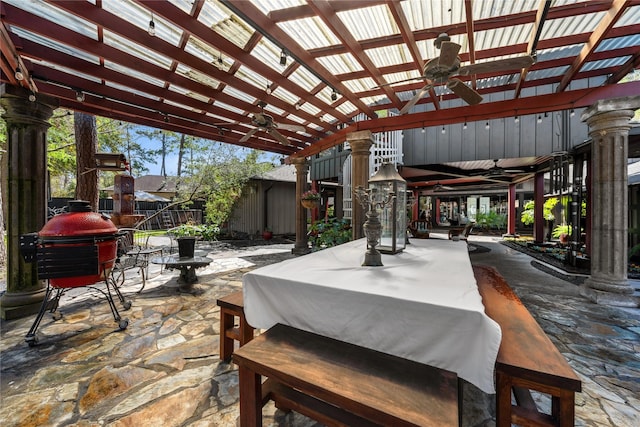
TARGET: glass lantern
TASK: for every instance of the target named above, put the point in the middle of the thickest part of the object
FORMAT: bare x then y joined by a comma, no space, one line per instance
393,216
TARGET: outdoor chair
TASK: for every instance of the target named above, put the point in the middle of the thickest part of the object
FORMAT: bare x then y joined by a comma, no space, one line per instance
134,252
419,229
461,233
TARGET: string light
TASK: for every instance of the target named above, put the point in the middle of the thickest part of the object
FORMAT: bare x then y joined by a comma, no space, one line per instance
539,119
32,97
268,88
18,75
486,125
283,57
79,96
572,113
516,119
464,126
334,95
298,104
423,129
443,131
152,27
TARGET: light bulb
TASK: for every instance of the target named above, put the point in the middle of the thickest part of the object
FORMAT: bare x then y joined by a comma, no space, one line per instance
573,113
18,75
464,126
423,130
539,119
516,119
152,28
486,126
32,97
443,131
79,96
269,89
334,95
283,58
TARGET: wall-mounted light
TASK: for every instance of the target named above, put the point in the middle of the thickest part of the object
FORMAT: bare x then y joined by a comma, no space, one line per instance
443,131
283,57
79,96
486,126
18,75
32,97
152,27
334,95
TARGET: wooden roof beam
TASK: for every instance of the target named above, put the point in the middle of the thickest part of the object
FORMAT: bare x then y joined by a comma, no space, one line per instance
536,31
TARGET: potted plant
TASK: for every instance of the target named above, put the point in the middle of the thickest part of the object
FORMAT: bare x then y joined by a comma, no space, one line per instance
562,232
267,234
310,199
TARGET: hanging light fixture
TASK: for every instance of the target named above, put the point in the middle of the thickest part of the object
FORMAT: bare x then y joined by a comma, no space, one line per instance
539,119
32,97
393,216
79,96
423,130
18,75
334,95
283,57
298,104
572,113
486,126
443,131
516,119
152,27
268,88
464,126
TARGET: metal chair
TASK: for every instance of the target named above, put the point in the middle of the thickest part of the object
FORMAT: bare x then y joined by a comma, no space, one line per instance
134,252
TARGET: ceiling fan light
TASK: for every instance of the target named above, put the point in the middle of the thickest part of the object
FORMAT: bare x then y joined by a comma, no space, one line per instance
18,75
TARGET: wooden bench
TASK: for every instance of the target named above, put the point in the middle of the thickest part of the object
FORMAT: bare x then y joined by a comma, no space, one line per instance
527,360
232,307
340,384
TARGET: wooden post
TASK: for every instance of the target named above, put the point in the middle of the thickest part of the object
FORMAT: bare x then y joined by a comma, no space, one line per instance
302,168
360,143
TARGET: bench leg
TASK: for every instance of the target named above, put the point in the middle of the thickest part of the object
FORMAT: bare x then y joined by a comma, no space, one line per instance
503,400
226,342
246,331
250,398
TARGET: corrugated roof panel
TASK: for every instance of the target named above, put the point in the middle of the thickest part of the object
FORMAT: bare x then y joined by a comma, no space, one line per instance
268,6
605,63
133,73
584,23
359,22
228,107
423,14
190,94
559,52
389,55
185,5
360,85
274,110
183,106
217,17
631,17
251,77
310,108
140,17
54,14
619,42
269,54
546,73
506,36
197,76
373,100
131,90
52,44
340,64
310,33
303,78
346,108
397,77
239,94
486,9
136,50
285,95
64,69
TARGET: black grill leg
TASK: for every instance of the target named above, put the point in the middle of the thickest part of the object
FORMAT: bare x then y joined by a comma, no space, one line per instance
30,338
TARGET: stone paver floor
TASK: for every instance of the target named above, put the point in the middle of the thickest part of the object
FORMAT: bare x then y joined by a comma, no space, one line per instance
163,370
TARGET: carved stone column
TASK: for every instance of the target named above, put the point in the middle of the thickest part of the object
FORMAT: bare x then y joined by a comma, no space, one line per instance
302,168
511,211
25,193
360,143
608,122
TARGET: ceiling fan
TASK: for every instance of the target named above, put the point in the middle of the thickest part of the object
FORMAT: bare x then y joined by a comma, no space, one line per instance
443,69
496,170
264,122
440,187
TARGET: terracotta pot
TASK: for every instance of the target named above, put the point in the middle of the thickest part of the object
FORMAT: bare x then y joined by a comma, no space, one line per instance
310,204
267,235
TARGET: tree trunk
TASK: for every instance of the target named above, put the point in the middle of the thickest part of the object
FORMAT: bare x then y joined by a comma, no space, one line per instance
86,147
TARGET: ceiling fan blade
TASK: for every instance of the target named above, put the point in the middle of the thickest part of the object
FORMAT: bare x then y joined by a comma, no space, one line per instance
499,65
465,92
277,135
413,101
293,128
248,135
412,79
448,54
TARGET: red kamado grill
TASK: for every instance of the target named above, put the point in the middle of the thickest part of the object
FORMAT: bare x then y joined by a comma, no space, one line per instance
74,249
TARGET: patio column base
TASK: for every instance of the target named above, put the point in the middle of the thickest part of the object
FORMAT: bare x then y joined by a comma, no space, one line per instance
615,294
15,305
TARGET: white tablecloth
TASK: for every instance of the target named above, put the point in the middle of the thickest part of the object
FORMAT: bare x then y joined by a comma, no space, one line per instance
423,304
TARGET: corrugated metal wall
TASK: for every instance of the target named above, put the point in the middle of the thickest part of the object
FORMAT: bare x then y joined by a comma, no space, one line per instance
265,204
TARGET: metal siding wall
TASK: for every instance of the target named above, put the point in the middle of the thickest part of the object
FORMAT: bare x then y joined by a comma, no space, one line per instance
281,212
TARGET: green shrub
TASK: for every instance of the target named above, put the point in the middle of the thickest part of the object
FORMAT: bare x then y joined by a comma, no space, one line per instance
332,232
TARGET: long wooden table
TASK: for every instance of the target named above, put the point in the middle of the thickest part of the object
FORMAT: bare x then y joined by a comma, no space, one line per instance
422,305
